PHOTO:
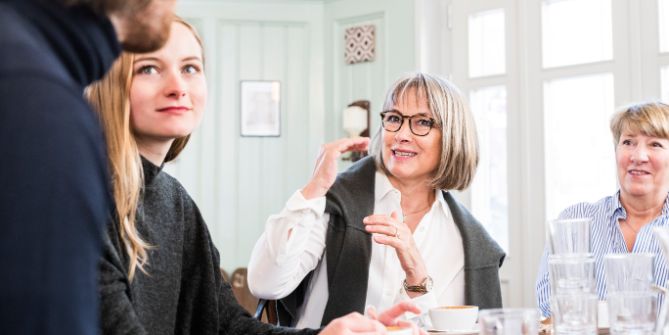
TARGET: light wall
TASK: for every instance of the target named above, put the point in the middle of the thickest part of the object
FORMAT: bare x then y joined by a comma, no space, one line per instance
239,181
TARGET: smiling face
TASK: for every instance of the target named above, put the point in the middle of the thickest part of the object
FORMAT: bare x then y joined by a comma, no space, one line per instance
168,90
406,156
643,165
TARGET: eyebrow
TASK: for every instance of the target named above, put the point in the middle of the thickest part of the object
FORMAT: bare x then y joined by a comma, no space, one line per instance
156,59
398,112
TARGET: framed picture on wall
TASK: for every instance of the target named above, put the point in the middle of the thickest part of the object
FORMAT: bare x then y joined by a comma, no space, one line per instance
260,108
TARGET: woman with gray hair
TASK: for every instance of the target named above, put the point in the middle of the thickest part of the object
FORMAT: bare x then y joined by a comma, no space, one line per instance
387,229
622,223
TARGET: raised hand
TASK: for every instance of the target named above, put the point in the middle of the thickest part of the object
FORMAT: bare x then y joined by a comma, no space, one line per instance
325,171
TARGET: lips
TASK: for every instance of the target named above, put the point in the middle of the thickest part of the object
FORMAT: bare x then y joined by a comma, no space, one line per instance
403,153
635,172
173,109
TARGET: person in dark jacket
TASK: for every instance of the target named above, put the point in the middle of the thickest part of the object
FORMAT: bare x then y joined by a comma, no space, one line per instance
388,229
160,269
54,192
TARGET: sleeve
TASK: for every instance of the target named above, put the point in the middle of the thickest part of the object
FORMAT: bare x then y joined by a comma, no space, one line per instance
290,247
237,321
117,312
53,206
543,288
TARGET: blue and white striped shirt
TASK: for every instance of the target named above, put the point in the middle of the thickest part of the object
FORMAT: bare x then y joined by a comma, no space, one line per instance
607,238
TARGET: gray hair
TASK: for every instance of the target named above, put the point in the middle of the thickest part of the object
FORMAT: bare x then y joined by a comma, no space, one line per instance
459,144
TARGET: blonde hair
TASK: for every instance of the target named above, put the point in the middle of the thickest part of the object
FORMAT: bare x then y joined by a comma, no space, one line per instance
647,118
459,144
110,98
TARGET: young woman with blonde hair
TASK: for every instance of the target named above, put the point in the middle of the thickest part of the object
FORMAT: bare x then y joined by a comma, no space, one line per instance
160,270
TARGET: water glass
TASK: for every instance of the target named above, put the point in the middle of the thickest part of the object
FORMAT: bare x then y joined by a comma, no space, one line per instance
632,312
571,273
629,272
574,313
570,236
509,321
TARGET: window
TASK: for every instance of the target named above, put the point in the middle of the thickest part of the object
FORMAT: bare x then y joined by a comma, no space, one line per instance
490,202
486,43
663,17
665,84
576,32
580,164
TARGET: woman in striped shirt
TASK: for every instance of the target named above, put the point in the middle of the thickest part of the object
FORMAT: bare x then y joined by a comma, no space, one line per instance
623,222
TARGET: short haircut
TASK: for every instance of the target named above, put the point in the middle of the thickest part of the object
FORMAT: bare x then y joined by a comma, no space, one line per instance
459,144
647,118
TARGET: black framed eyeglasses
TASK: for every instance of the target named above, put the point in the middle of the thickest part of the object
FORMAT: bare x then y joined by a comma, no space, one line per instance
419,124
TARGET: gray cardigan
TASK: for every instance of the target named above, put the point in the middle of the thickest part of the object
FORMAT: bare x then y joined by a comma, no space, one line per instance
348,246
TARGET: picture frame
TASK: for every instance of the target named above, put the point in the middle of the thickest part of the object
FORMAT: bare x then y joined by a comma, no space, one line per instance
260,108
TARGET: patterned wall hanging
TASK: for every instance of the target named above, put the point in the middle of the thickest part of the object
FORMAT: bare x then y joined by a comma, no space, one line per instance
360,42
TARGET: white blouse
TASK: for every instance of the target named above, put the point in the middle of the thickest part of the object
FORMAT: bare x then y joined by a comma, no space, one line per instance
282,258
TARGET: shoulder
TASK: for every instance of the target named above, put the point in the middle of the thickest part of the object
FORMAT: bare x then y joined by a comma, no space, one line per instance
600,208
480,248
25,52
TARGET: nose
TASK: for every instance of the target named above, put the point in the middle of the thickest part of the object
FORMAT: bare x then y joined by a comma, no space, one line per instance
640,154
404,133
175,85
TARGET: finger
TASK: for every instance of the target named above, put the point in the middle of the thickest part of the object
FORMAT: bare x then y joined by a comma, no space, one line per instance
351,144
397,310
388,230
377,219
357,323
371,313
390,241
395,216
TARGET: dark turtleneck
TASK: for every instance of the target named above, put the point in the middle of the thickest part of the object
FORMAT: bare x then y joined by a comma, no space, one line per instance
54,192
182,291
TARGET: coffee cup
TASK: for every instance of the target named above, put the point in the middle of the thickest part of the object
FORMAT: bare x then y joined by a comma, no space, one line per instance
399,330
460,317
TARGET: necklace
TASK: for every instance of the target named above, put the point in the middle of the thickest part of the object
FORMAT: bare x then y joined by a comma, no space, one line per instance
416,212
636,231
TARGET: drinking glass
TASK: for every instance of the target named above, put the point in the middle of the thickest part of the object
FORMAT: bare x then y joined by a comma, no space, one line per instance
568,236
571,273
574,313
632,312
509,321
629,272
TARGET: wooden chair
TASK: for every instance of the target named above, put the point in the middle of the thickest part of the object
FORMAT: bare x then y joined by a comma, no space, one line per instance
240,288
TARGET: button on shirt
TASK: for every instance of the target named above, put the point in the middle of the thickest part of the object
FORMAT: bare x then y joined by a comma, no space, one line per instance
281,260
607,238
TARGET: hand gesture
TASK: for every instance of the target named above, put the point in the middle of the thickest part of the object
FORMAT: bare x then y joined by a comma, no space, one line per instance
389,230
325,171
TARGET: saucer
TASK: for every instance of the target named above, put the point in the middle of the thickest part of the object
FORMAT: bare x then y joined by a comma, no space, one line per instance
454,331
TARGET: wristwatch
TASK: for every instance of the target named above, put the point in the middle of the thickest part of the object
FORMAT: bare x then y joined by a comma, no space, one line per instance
424,286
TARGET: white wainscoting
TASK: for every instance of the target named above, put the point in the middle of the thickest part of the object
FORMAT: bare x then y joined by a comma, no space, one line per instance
238,181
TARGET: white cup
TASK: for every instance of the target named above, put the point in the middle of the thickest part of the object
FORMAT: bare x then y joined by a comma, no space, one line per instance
454,317
396,330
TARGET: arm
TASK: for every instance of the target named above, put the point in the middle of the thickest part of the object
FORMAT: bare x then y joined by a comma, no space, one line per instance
291,246
53,205
294,240
117,312
543,287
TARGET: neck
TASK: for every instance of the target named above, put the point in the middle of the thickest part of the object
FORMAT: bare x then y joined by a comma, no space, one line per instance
154,152
416,196
643,208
